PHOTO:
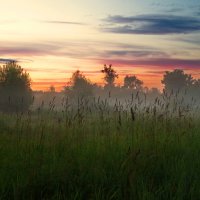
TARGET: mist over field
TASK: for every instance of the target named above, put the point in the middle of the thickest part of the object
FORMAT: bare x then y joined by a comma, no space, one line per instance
100,100
99,142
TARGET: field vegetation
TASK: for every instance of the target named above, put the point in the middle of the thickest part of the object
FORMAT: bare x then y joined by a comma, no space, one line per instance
123,144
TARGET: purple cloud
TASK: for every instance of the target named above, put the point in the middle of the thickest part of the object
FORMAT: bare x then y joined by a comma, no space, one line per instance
151,24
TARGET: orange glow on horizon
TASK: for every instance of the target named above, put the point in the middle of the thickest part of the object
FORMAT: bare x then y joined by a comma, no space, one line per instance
150,77
75,35
150,80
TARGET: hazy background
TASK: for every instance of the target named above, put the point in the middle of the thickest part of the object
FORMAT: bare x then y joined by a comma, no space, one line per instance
52,39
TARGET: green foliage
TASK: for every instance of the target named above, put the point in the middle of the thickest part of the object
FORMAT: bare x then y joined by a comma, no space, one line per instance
177,80
102,152
15,88
110,75
80,86
132,82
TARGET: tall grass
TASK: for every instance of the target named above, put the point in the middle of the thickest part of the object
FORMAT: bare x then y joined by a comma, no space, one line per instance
95,150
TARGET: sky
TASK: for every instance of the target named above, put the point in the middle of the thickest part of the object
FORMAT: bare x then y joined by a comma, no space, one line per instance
52,39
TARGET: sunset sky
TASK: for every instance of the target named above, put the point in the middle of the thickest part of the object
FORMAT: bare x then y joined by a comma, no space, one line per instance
53,38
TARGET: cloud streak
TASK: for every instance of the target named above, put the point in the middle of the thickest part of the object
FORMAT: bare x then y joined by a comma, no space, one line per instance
6,60
78,49
151,24
142,53
160,62
62,22
118,54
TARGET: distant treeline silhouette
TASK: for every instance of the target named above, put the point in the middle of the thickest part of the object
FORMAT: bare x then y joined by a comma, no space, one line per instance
16,94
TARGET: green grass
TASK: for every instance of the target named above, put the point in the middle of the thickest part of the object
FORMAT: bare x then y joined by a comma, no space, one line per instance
99,155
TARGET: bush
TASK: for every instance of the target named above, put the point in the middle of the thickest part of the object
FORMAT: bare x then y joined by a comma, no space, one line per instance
15,90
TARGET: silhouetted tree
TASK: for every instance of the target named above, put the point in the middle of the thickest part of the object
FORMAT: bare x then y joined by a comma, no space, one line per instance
80,86
110,75
15,90
132,82
176,80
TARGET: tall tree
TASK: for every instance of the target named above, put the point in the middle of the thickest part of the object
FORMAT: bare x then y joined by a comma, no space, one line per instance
110,75
176,80
80,85
15,88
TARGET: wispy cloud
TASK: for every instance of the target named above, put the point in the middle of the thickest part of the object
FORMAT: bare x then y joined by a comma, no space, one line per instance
174,10
160,62
151,24
142,53
59,71
5,60
76,49
118,54
62,22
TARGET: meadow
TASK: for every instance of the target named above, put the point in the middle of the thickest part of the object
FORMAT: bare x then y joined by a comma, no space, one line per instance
96,150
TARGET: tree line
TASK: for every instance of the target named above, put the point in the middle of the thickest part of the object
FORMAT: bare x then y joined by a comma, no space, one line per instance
16,93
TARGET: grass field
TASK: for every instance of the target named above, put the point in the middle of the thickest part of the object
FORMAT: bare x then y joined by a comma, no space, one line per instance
101,152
